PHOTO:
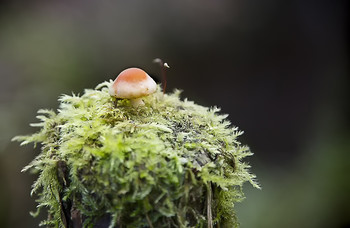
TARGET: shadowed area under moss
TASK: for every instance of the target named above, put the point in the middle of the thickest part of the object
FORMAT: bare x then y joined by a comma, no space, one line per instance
169,163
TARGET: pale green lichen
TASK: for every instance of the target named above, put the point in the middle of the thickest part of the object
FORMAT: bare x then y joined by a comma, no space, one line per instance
169,163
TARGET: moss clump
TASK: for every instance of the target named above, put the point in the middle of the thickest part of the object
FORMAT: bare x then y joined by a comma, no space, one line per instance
169,163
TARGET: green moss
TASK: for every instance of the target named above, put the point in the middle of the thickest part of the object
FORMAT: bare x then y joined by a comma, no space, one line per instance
169,163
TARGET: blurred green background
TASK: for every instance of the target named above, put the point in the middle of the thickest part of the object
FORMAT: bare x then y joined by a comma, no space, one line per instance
278,68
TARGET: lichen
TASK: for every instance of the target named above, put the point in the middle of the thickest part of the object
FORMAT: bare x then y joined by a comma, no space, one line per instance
169,163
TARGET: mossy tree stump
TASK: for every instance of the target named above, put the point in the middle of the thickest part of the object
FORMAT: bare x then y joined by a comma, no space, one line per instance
105,163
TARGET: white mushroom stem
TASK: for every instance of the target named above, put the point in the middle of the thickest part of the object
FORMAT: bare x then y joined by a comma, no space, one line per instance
136,102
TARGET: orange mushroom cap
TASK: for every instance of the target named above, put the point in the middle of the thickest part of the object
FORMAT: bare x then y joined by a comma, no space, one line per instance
132,83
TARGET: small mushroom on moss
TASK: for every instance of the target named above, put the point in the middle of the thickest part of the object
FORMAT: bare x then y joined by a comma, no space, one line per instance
133,83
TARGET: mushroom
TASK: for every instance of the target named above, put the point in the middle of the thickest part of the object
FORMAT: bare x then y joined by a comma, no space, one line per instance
133,83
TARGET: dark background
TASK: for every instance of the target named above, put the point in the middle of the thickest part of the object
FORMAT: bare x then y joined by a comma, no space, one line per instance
278,68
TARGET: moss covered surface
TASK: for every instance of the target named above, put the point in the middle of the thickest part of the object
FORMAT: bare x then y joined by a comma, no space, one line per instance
169,163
